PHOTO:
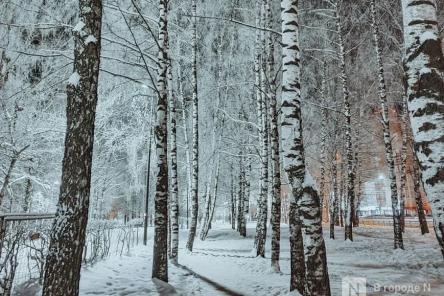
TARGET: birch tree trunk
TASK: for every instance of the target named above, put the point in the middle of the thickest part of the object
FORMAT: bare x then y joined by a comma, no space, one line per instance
241,203
424,66
323,137
213,203
68,232
398,243
261,228
233,202
341,194
356,164
206,214
160,254
195,177
174,198
316,274
187,144
350,201
275,155
247,195
404,151
334,199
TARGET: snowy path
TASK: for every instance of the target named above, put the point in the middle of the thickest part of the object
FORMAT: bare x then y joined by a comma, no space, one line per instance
225,264
131,275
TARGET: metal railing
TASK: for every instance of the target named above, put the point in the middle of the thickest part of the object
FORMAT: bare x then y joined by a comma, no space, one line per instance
24,238
24,242
5,218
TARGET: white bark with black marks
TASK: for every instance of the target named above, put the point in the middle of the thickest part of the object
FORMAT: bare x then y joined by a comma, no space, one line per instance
195,140
261,227
424,66
306,197
174,196
160,247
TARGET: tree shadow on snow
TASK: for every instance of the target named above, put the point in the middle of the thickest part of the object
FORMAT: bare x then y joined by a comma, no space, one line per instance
164,288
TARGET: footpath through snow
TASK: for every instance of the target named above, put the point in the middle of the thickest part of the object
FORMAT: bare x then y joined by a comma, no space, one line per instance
224,264
131,275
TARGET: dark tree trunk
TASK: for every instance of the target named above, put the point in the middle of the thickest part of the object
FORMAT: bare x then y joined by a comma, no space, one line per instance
28,193
334,200
297,262
233,203
62,269
241,203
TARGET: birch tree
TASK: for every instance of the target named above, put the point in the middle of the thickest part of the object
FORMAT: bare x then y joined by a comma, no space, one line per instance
350,201
174,199
195,140
275,151
69,228
397,230
242,226
232,202
334,204
316,274
160,246
423,65
261,227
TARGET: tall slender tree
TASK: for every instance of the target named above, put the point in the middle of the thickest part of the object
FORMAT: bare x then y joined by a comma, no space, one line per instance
233,202
275,153
350,180
261,97
316,274
242,226
62,268
334,204
195,140
160,246
174,198
397,230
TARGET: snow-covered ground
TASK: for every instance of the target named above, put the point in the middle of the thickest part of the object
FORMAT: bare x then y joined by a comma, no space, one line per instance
224,264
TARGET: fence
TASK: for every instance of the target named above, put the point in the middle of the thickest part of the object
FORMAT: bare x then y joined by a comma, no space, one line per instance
388,222
24,242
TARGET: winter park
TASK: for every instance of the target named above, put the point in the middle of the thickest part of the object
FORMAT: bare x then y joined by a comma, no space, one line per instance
221,147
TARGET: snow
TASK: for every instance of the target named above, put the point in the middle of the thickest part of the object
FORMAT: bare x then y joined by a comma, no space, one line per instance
74,79
224,265
130,274
79,27
308,180
428,35
90,39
